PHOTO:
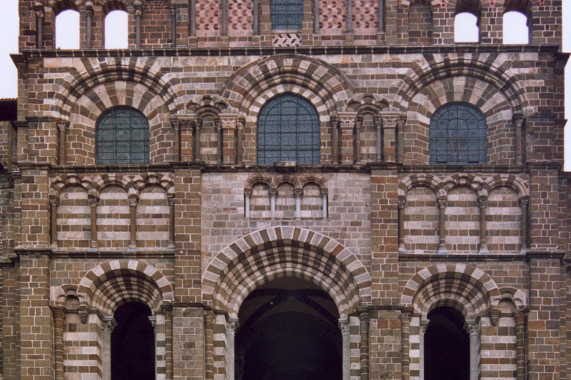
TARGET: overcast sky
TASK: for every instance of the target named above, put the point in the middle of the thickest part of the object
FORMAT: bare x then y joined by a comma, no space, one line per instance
9,44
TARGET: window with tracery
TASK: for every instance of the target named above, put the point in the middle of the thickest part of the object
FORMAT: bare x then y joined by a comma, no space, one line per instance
458,135
122,137
288,130
286,14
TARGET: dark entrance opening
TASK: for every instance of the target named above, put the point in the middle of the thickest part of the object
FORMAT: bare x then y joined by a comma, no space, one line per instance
446,346
288,330
133,343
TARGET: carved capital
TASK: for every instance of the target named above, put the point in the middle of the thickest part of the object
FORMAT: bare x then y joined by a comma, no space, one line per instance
92,200
39,10
390,121
442,202
423,326
483,201
524,202
62,126
133,200
54,201
170,199
228,121
402,202
347,120
138,6
108,325
232,326
344,326
472,327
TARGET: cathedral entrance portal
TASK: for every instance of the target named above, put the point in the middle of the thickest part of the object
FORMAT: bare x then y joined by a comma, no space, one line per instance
288,330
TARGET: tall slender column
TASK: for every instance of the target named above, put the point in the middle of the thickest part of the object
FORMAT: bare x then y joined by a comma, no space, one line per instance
247,198
239,136
219,145
256,26
520,322
224,7
324,203
209,343
473,330
54,202
273,193
442,224
175,122
153,320
39,26
228,138
379,125
93,201
231,327
88,18
193,18
345,346
389,140
524,204
402,205
483,203
107,328
170,200
173,24
358,123
349,16
315,16
168,341
59,315
335,154
364,344
421,334
62,130
196,150
347,125
405,343
138,13
298,193
381,16
518,123
133,201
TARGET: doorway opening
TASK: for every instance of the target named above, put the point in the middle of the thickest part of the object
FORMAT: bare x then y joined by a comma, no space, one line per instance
446,346
288,330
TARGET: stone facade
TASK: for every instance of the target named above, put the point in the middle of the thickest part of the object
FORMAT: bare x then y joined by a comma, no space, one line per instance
378,237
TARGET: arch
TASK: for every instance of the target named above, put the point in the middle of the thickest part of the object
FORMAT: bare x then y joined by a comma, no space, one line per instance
451,284
280,252
117,26
471,181
129,70
114,282
303,75
62,181
66,29
511,181
419,180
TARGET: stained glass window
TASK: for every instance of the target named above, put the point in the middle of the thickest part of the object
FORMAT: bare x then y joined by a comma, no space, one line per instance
288,130
122,137
458,135
286,14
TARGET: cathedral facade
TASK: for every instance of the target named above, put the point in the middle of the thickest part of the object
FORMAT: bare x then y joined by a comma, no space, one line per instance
286,189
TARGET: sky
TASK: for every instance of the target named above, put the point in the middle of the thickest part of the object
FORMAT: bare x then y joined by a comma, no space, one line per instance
9,44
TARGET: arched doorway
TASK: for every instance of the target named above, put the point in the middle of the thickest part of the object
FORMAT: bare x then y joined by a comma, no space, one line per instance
288,330
446,346
133,343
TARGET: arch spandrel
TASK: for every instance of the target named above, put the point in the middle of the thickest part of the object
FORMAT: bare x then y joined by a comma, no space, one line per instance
285,252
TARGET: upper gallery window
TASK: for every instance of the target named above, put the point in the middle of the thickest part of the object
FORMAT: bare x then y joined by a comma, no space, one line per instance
67,30
122,137
116,30
286,14
515,28
288,130
458,135
466,28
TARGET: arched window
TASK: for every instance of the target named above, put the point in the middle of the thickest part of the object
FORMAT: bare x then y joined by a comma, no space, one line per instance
515,27
446,346
466,28
133,343
116,30
288,130
67,30
286,14
458,135
122,137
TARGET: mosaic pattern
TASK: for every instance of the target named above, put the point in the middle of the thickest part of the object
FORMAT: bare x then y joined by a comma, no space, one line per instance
333,15
208,18
240,17
365,14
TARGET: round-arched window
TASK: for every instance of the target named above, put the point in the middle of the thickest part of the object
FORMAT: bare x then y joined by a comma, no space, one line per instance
288,130
458,135
286,14
122,137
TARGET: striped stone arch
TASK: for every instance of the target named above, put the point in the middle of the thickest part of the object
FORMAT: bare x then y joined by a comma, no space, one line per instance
279,252
420,180
451,284
115,282
109,72
471,181
259,179
66,180
311,179
438,68
511,181
320,83
133,184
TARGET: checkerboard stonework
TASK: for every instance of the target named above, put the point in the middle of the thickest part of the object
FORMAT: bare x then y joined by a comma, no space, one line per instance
168,249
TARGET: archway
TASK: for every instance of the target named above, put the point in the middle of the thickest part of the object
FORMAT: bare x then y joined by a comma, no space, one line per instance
288,330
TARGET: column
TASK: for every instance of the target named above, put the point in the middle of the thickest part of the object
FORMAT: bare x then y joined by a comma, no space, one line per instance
228,136
106,330
389,126
347,126
54,202
349,16
335,154
218,127
93,201
247,197
196,149
133,201
524,204
405,343
381,15
379,145
138,5
421,333
520,322
483,203
193,18
39,26
88,17
273,193
345,346
239,135
518,124
473,330
298,193
175,122
358,123
62,129
442,225
59,315
224,7
173,24
153,320
256,26
170,200
324,202
402,205
231,327
209,343
315,16
167,310
364,344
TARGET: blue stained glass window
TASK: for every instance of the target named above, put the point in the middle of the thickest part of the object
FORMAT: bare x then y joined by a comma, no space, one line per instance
286,14
122,137
288,130
458,135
